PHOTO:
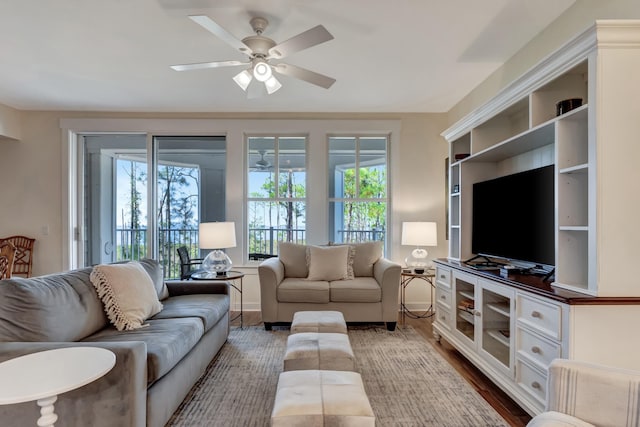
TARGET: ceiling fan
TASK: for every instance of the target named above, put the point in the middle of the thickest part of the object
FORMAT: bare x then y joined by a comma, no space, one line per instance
262,164
261,51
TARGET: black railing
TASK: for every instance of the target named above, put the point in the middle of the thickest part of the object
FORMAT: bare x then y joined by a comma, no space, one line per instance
263,243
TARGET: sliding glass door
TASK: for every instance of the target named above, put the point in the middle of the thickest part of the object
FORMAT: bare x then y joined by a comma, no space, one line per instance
185,175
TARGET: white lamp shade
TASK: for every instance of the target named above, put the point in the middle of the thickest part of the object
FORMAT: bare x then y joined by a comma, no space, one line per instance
419,234
217,235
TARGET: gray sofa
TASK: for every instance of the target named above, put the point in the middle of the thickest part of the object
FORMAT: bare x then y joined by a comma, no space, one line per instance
156,366
370,295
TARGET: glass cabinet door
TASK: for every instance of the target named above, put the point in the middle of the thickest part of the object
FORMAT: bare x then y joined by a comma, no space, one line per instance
497,323
465,306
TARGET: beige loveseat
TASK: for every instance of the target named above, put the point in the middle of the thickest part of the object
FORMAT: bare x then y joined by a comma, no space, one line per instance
354,279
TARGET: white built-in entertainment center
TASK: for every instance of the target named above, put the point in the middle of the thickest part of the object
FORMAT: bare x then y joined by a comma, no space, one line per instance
511,326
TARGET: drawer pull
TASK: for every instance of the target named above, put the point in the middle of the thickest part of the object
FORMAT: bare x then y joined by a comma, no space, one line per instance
536,385
442,276
443,297
443,318
477,313
536,314
536,349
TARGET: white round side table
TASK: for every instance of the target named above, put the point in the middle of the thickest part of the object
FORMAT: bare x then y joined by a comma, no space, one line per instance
44,375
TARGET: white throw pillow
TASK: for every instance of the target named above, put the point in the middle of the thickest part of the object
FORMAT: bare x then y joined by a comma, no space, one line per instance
329,262
127,292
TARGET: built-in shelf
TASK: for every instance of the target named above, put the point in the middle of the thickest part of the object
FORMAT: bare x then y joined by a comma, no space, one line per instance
497,335
502,308
468,317
584,168
467,295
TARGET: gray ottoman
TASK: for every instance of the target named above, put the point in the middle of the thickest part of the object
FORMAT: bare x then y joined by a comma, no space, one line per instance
318,321
312,350
321,398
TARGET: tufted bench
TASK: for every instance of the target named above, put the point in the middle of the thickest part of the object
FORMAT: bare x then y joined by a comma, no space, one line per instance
318,321
321,398
312,350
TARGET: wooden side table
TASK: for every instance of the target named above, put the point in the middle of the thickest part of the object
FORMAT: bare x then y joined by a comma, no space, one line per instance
406,277
44,375
231,277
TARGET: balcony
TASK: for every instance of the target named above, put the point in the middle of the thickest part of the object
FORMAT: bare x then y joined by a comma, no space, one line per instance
263,243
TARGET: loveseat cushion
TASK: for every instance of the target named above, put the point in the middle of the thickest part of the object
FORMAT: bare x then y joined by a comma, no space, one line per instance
330,263
167,340
360,289
294,258
209,308
303,290
57,307
366,255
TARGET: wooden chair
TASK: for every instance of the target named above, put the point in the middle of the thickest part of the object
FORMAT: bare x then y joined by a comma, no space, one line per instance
23,260
187,263
7,255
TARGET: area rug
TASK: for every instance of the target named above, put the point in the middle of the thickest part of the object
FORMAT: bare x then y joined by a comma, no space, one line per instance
407,381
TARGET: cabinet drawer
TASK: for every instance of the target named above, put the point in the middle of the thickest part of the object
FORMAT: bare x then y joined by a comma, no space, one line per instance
536,349
443,277
443,316
531,381
443,296
541,316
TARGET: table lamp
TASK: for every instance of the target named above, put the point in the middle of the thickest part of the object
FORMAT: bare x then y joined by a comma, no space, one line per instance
217,236
419,234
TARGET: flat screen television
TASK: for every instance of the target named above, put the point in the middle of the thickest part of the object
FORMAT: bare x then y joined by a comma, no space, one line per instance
513,217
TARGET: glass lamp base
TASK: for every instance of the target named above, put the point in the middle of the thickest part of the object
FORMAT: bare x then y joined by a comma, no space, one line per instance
217,262
417,259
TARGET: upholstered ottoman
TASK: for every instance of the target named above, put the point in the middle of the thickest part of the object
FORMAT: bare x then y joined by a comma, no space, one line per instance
318,321
318,398
312,350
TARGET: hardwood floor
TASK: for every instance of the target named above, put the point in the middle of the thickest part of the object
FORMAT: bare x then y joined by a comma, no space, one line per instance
503,404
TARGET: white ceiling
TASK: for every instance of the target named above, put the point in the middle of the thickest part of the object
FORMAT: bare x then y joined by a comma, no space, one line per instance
387,55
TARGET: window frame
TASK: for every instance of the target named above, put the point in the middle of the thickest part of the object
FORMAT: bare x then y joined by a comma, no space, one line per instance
276,172
357,165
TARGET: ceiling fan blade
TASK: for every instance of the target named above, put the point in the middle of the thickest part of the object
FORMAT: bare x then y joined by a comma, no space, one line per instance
306,75
309,38
203,65
213,27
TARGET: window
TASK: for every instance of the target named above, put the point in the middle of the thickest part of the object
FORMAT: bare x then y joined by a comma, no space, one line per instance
276,191
120,223
357,188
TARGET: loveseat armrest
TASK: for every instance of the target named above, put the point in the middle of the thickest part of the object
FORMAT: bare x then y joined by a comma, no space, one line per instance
270,274
597,394
387,274
117,399
192,287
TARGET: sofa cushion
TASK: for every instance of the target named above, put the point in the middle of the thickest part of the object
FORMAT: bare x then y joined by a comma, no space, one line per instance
329,262
303,290
168,341
128,294
360,289
209,308
294,259
154,269
366,255
57,307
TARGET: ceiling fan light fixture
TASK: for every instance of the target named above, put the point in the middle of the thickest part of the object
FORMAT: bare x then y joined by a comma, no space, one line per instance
262,71
272,85
243,79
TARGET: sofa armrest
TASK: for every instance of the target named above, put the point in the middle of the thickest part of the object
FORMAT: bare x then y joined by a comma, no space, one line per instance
387,274
192,287
597,394
118,398
270,274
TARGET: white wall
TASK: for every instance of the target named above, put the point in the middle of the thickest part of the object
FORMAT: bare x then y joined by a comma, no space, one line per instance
35,203
573,21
